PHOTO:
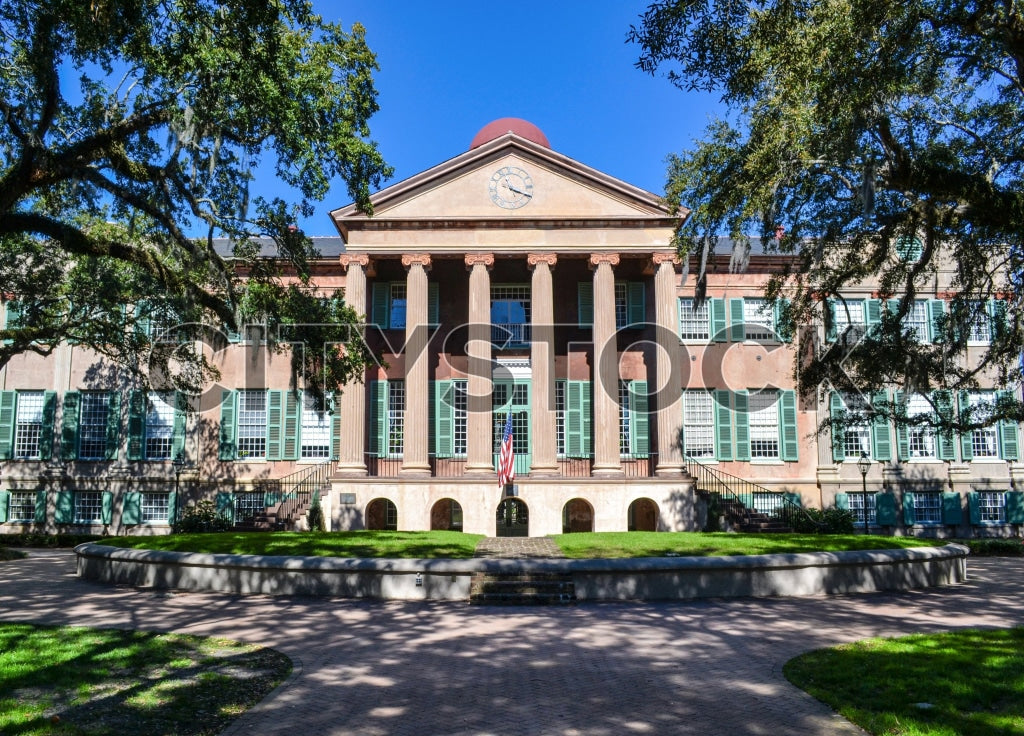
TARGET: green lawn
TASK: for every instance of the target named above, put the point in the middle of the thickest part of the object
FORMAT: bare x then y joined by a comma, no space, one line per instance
456,545
686,544
424,545
964,683
92,682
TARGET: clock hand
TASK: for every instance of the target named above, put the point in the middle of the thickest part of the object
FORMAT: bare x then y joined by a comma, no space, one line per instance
519,191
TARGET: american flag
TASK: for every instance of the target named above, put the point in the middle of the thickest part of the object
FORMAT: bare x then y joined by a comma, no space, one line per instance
507,458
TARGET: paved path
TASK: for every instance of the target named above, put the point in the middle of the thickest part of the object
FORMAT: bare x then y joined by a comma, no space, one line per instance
376,668
517,547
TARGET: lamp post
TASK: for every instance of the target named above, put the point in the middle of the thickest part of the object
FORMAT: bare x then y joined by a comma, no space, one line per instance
863,464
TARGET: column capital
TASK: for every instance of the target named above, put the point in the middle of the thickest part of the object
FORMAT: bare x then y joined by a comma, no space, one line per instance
532,259
480,259
416,259
359,259
659,258
596,259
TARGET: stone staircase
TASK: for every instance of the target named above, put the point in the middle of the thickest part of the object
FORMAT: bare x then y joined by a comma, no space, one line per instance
742,519
523,589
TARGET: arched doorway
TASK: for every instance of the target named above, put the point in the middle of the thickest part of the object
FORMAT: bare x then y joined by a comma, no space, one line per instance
643,516
577,516
512,519
381,515
446,515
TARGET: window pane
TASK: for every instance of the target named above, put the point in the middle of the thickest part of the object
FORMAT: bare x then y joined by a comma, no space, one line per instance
88,506
984,442
922,438
22,506
928,508
155,507
698,424
757,315
316,431
693,322
510,314
460,437
29,424
857,435
991,505
764,425
92,427
396,315
159,426
252,423
396,418
624,418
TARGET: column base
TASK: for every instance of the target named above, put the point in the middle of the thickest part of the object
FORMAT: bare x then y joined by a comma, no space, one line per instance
354,470
607,471
415,471
668,470
477,470
545,471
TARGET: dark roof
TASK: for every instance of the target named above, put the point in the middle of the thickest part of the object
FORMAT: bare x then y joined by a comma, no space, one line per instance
329,246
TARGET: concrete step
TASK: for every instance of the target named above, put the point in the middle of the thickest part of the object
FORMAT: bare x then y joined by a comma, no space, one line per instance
522,589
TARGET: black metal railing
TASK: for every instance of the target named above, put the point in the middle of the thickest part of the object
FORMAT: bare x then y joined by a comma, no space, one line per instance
455,467
779,506
289,495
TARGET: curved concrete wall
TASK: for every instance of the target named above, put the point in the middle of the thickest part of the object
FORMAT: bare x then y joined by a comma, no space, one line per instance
651,578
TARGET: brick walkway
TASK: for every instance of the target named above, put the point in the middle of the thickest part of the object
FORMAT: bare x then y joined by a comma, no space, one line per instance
395,668
517,547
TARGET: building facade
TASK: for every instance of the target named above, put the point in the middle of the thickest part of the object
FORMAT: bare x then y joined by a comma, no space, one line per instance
507,284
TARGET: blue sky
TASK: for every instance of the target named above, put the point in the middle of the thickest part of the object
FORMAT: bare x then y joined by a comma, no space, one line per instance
448,68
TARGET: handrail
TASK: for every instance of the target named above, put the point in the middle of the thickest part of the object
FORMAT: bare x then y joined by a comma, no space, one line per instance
294,491
749,495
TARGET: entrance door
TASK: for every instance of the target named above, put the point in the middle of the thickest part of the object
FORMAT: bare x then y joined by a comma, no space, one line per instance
512,519
515,398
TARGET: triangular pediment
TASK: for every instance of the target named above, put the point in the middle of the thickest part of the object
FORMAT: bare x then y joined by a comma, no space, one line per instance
509,178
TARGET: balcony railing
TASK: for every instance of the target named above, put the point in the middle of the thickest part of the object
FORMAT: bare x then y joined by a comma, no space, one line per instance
455,467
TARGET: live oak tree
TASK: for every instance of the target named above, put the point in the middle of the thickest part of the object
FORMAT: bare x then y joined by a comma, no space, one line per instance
129,127
872,141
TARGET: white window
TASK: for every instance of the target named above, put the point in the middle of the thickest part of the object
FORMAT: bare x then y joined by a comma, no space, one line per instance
921,437
252,423
510,314
984,442
155,506
624,418
92,427
857,501
88,507
857,434
460,429
694,323
22,506
928,508
396,418
848,314
397,305
916,321
29,425
159,425
764,425
560,418
698,424
758,319
316,431
991,507
981,324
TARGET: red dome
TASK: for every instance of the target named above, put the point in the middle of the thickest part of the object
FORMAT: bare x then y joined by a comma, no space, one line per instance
498,128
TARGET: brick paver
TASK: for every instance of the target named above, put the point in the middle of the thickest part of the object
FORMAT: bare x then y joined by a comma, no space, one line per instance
518,547
394,668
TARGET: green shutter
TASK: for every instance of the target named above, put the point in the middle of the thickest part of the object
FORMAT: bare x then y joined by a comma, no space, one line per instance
716,311
788,437
842,502
585,303
46,430
107,507
275,423
723,424
831,333
228,447
902,431
131,509
997,309
1009,445
143,319
974,508
8,411
1015,507
379,418
172,507
380,303
433,303
836,411
639,435
784,328
952,509
885,509
13,318
444,418
178,431
137,405
936,312
947,445
881,436
64,512
573,420
966,444
113,425
741,413
5,497
69,426
586,417
225,502
40,510
636,309
872,313
737,328
291,442
909,517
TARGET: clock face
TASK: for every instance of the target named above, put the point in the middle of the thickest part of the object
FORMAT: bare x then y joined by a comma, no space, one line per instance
510,187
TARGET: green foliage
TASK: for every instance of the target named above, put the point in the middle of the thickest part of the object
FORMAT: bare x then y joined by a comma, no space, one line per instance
853,128
968,683
51,541
125,126
317,523
91,682
201,517
994,547
827,521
